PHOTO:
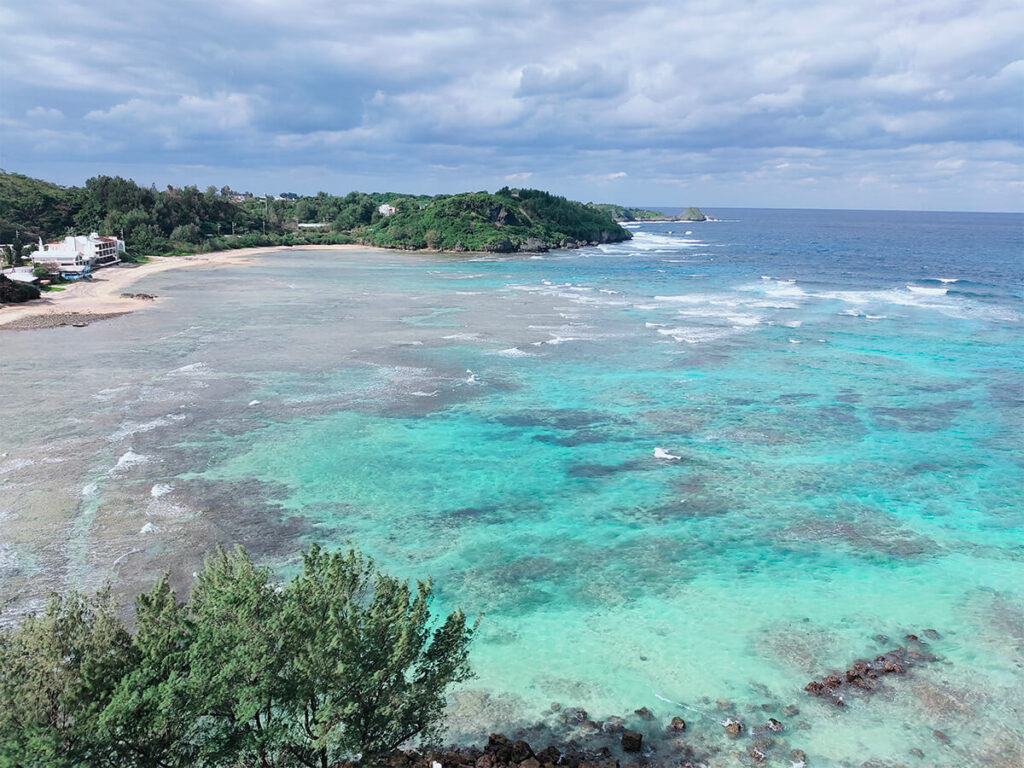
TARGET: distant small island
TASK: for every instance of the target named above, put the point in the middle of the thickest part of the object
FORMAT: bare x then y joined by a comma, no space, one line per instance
622,213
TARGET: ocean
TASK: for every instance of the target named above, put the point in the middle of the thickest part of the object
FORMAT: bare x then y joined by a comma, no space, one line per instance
690,472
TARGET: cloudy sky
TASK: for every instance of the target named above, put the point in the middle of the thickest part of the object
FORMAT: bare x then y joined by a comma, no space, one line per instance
913,104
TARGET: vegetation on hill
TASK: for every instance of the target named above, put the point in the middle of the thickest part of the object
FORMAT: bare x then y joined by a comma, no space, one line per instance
622,213
343,662
178,220
524,220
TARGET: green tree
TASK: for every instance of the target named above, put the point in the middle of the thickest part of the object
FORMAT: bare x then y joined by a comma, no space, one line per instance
149,718
237,663
57,674
367,673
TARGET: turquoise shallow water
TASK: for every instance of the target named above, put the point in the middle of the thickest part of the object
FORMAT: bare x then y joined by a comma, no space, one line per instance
840,393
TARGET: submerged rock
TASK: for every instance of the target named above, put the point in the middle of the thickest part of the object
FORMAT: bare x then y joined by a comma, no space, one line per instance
677,724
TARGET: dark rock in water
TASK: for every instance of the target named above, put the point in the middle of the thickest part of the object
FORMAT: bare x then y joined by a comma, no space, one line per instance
882,639
916,752
644,713
734,728
530,762
814,687
725,705
911,638
575,715
555,706
591,725
677,724
520,751
931,634
797,756
549,755
756,753
613,724
940,736
774,725
632,741
791,710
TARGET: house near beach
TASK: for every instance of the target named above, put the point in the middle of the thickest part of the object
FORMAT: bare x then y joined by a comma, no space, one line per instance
77,255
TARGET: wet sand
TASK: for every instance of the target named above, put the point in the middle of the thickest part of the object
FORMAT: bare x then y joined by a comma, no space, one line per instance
89,300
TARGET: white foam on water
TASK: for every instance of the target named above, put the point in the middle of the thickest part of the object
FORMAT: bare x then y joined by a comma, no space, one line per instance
135,428
14,464
661,453
795,341
160,489
148,528
462,337
927,291
89,489
513,352
697,335
419,393
128,460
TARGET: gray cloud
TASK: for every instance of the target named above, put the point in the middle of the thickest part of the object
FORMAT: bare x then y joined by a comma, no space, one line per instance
774,103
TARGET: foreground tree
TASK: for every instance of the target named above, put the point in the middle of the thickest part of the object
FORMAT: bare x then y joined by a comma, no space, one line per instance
367,672
343,662
57,675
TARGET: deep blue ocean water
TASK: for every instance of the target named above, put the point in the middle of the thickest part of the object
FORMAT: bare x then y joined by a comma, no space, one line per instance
709,464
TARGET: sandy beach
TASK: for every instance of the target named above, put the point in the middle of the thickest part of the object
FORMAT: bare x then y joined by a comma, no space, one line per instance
99,298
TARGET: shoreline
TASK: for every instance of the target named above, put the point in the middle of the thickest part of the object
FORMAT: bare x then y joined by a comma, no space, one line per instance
100,298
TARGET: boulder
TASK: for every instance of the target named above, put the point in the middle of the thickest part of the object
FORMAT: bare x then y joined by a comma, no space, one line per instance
773,725
644,713
613,725
677,724
549,755
632,741
734,727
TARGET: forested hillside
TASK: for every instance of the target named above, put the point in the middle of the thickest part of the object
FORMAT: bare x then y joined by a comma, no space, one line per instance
177,220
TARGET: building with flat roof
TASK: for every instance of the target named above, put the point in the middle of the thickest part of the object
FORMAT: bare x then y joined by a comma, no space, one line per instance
91,250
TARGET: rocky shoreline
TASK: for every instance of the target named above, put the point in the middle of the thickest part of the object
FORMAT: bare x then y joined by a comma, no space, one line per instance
763,733
58,320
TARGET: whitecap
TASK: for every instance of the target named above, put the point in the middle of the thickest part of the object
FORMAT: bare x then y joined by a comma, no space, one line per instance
462,337
424,394
927,291
254,402
148,528
129,459
89,489
160,489
794,341
514,352
661,453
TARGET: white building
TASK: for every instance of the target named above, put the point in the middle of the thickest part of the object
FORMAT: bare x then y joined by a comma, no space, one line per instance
75,251
386,210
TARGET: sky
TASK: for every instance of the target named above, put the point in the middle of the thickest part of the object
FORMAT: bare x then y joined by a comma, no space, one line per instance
760,103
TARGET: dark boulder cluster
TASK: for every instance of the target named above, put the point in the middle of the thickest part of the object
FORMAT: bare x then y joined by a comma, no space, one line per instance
146,296
865,676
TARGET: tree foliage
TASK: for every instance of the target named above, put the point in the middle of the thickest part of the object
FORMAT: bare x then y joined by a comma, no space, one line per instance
187,220
343,662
